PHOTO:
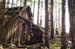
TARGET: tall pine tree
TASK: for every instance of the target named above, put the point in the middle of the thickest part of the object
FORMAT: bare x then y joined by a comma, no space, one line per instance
46,24
63,34
71,4
52,27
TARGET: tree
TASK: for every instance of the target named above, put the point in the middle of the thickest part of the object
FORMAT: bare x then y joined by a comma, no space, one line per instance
2,6
52,28
72,21
25,2
63,34
46,24
38,13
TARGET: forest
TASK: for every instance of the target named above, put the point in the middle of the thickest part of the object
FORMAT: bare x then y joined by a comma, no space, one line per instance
37,24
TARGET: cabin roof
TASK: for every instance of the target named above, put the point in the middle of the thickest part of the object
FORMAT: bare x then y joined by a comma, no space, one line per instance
14,10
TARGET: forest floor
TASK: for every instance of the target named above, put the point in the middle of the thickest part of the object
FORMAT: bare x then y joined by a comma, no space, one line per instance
54,44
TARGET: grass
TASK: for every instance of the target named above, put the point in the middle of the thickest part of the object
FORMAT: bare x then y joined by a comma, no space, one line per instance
56,45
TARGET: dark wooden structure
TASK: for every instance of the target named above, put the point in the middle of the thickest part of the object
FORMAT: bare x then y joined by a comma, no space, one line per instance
17,28
20,31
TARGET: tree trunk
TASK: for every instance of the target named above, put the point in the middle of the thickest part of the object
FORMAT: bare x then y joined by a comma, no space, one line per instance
72,21
63,34
52,27
34,7
2,6
25,2
38,13
46,24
